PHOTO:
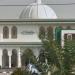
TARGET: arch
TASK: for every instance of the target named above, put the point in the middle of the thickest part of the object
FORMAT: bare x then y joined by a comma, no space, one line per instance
50,32
42,55
5,59
14,58
14,32
27,57
42,32
5,32
68,27
73,36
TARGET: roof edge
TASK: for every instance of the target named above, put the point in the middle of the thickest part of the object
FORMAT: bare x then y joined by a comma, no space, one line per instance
37,20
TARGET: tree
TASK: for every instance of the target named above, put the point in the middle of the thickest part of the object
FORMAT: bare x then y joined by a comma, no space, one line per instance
69,56
41,56
28,57
50,33
48,45
19,71
42,32
62,58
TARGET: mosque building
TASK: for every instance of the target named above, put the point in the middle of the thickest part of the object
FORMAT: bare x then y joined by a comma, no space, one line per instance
17,35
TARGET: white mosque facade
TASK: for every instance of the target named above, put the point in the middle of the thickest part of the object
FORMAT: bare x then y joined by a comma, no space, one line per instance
17,35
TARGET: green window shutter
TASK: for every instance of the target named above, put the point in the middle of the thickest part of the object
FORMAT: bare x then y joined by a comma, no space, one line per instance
58,34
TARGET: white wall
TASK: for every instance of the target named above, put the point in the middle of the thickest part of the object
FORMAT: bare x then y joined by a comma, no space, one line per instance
25,33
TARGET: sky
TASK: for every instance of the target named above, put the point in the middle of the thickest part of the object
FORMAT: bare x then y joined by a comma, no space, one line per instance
14,11
22,2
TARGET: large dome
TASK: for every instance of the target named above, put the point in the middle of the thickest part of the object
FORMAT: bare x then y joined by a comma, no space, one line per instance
38,11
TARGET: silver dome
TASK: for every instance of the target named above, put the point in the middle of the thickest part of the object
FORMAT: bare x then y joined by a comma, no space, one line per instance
38,11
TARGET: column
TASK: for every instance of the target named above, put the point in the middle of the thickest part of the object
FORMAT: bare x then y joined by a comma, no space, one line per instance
54,33
62,39
9,54
1,35
9,32
1,57
19,58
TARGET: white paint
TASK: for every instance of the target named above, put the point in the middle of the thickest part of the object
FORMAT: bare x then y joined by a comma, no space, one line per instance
38,11
19,58
27,37
1,57
9,55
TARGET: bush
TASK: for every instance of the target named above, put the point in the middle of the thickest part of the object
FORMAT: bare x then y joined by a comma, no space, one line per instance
25,72
18,71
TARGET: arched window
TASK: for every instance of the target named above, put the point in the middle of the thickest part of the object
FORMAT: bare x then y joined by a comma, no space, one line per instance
5,59
14,58
14,32
68,27
73,36
5,32
41,32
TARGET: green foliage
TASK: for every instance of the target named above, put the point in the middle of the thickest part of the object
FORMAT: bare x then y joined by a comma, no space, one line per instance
69,56
19,71
42,56
26,73
56,73
28,56
49,51
64,59
50,33
42,32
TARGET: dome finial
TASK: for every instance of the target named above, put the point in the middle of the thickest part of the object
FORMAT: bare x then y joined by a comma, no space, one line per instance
38,1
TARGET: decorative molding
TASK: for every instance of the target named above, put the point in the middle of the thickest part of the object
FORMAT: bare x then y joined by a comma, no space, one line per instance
27,32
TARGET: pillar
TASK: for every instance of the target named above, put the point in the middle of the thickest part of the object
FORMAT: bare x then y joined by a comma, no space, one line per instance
19,58
9,55
49,73
54,33
1,57
62,40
